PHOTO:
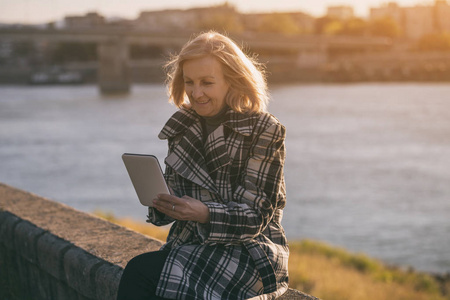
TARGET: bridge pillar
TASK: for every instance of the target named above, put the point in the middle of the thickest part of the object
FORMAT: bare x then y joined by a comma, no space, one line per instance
113,73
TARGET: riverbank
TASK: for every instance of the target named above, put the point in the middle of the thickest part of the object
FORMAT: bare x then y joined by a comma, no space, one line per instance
333,273
360,67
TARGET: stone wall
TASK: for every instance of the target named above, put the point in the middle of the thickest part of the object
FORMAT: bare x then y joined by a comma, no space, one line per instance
51,251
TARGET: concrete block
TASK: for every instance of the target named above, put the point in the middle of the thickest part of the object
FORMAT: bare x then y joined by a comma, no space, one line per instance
107,280
60,290
25,238
50,254
81,297
39,283
24,277
8,222
9,277
80,268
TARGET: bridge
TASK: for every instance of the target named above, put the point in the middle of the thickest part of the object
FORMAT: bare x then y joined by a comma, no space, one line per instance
114,58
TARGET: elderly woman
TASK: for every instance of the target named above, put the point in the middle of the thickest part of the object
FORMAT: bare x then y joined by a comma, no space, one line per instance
225,168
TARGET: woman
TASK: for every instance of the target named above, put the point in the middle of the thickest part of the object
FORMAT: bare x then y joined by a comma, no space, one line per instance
225,168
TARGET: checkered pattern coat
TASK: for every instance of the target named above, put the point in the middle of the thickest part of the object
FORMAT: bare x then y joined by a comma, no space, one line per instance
238,173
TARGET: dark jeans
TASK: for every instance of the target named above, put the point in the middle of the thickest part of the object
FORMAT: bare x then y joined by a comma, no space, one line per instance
141,275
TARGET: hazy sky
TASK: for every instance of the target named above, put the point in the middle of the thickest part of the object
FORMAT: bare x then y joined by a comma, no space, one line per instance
41,11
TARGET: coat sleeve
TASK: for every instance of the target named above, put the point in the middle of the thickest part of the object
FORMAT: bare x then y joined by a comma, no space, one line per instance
259,193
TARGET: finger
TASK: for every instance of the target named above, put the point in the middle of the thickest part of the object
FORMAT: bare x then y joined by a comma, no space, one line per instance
171,199
165,197
169,208
161,205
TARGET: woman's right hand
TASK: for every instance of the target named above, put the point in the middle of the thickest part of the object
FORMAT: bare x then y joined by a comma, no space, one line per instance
183,209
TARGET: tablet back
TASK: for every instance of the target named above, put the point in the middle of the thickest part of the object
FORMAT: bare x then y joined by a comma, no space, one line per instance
146,175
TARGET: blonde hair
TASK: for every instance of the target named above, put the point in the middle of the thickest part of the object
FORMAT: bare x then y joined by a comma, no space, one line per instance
248,88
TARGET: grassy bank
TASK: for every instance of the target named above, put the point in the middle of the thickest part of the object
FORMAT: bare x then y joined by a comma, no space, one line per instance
333,273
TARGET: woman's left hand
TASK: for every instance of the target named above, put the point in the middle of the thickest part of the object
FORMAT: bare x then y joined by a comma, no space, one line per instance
183,209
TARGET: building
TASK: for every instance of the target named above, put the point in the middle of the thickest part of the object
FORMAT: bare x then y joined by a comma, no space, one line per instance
6,49
90,20
391,10
186,20
442,16
341,12
418,20
221,17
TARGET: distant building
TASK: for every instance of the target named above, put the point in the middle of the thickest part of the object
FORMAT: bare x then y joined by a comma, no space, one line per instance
216,17
390,9
90,20
341,12
255,21
418,20
182,20
442,15
6,49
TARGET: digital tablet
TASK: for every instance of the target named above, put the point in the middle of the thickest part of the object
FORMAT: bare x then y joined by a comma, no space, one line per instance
146,175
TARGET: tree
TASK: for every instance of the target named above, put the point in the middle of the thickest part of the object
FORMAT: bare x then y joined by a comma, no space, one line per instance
327,25
385,27
223,18
434,42
279,23
334,26
354,27
228,22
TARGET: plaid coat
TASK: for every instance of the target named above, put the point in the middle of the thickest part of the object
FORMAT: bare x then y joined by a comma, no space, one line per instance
238,173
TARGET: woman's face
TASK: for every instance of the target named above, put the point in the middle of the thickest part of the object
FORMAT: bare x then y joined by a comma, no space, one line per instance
205,85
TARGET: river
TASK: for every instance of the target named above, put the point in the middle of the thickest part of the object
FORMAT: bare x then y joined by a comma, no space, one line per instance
367,167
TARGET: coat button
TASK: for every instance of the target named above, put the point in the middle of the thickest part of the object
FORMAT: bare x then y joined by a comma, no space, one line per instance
205,195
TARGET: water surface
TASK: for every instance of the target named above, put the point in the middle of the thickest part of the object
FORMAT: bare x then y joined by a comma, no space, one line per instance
367,168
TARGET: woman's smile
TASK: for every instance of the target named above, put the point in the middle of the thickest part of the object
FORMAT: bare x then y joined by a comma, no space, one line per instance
202,102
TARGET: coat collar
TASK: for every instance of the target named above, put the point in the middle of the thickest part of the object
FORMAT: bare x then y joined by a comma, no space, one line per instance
184,118
193,159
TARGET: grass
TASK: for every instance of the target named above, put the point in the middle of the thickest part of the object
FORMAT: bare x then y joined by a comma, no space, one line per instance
333,273
159,233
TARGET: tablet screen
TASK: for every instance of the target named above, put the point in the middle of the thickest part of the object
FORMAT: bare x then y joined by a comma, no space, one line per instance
146,175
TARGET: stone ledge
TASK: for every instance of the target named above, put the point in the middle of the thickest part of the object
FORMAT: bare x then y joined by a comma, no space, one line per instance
95,235
292,294
51,251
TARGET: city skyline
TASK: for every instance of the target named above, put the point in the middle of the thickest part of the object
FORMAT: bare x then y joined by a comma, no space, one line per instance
43,11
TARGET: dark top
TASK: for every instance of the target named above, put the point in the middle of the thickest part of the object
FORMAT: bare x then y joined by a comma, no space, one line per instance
211,123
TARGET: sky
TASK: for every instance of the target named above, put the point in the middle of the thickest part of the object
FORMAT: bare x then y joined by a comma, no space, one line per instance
43,11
